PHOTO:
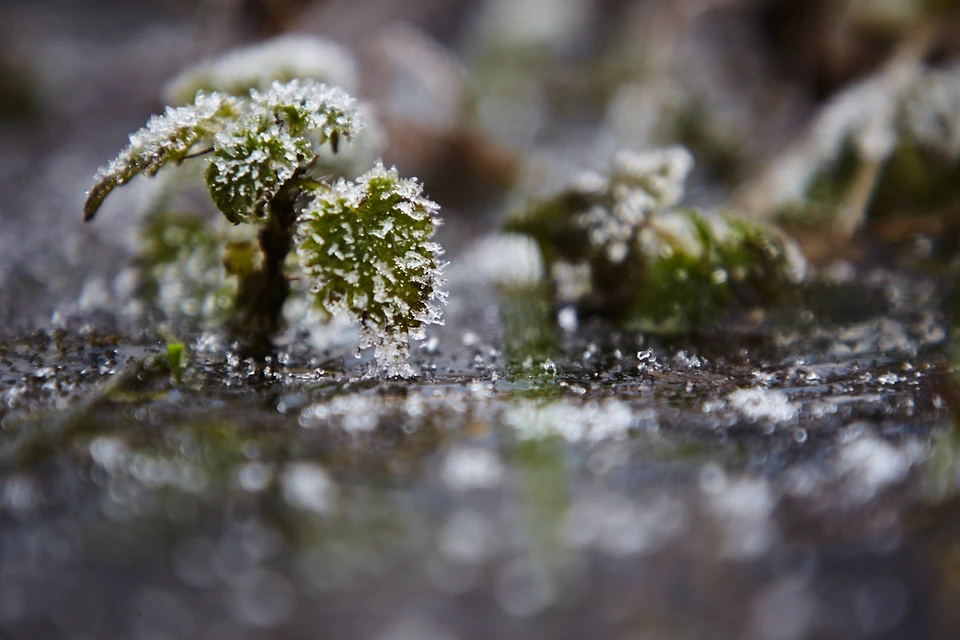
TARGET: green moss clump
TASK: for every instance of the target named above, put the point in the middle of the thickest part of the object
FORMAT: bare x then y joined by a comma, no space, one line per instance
616,244
730,263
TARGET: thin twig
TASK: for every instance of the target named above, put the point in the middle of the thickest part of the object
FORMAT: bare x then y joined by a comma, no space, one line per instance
309,184
196,155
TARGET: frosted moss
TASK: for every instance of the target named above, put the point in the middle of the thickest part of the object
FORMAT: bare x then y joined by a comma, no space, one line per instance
365,245
887,145
616,243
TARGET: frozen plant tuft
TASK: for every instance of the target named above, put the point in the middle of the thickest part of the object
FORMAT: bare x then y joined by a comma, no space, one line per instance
887,145
932,112
365,245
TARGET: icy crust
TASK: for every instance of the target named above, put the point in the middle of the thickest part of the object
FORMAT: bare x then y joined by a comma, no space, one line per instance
365,246
258,154
616,242
257,67
166,138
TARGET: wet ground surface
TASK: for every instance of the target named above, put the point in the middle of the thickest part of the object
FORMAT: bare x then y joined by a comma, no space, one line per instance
748,482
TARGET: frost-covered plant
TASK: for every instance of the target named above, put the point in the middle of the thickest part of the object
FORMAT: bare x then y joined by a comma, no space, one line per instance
616,243
889,144
364,244
184,269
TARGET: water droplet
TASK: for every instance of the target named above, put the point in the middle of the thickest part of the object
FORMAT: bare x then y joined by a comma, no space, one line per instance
567,319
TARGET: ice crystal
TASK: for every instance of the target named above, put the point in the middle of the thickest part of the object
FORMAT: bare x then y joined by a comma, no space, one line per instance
258,143
871,465
309,487
354,159
283,59
257,67
469,468
660,174
639,185
366,247
590,422
757,404
166,138
304,106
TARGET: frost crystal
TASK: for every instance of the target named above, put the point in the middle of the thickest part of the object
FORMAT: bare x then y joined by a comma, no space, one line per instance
166,138
758,403
366,246
639,185
612,206
589,422
659,174
257,67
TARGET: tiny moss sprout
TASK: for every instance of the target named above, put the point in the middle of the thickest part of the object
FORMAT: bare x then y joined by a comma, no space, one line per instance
364,245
